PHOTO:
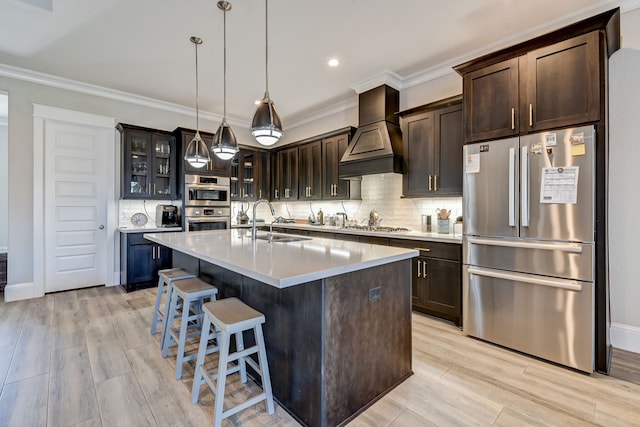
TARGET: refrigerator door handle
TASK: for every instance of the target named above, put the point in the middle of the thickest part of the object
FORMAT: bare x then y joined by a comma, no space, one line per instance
574,248
524,187
570,285
512,187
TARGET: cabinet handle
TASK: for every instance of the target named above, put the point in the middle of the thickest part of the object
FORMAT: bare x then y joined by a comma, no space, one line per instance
430,182
513,118
158,252
154,188
275,193
153,252
435,182
530,114
260,193
424,269
419,264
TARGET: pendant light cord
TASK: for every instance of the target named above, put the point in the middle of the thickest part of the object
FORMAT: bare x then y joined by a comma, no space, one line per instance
224,50
197,96
266,47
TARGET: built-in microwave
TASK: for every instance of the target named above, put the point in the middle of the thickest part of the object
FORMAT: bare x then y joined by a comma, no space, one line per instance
206,190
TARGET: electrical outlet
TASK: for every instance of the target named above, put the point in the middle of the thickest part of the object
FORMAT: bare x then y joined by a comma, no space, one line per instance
375,293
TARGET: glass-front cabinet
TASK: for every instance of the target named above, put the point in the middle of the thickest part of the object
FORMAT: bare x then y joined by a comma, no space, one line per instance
249,175
149,163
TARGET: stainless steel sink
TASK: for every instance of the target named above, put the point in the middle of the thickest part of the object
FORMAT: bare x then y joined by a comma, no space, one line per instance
282,238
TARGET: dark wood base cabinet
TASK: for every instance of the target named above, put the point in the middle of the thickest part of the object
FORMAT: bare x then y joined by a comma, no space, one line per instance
140,261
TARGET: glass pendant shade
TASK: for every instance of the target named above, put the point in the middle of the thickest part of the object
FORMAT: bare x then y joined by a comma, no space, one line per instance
266,126
197,153
224,144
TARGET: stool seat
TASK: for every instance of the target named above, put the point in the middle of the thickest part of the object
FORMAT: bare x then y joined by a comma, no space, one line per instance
174,273
232,315
192,286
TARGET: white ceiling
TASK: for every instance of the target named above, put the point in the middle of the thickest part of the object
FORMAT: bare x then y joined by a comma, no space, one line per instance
142,47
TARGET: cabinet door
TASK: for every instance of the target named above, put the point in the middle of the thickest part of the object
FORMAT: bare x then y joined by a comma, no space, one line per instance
163,165
310,171
447,179
288,173
418,139
332,151
491,101
562,84
163,258
443,288
262,175
141,264
418,283
136,164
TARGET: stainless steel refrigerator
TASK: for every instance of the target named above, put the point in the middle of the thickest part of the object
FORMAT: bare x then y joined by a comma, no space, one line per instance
529,234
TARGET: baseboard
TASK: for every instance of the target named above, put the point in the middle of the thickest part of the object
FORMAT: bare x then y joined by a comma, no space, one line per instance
19,291
625,337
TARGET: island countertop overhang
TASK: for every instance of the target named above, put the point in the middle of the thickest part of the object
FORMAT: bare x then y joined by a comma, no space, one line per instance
280,264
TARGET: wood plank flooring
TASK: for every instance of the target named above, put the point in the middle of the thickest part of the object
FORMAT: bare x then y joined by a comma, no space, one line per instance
86,358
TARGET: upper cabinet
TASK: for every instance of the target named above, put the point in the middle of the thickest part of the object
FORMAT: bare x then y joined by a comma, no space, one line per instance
287,175
332,150
148,163
432,138
215,167
556,80
250,175
310,173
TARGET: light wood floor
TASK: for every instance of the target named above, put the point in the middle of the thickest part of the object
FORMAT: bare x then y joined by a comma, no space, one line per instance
86,358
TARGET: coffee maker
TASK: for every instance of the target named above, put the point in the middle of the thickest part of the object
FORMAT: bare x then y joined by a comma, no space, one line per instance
167,216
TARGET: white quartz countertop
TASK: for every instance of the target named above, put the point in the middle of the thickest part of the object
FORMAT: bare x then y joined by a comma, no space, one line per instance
409,235
280,264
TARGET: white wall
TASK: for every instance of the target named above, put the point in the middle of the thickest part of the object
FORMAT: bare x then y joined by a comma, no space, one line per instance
624,176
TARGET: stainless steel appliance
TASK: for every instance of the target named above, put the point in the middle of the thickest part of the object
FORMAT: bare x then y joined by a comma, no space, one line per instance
167,216
206,190
529,233
206,218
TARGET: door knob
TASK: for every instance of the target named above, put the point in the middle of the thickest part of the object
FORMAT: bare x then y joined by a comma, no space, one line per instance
101,227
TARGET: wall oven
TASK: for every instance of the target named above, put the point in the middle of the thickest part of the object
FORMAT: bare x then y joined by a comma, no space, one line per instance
206,218
206,191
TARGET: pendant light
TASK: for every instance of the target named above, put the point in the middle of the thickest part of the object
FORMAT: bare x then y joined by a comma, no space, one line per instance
266,126
197,153
224,144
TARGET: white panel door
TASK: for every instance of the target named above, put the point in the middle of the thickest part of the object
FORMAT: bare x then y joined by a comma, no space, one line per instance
75,205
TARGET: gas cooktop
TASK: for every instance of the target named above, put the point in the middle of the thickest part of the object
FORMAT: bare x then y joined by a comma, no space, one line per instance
378,228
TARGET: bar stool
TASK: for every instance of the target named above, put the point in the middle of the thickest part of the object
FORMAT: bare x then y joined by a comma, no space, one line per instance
165,279
231,316
192,292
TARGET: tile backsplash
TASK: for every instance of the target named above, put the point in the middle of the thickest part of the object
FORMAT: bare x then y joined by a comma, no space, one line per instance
381,192
128,207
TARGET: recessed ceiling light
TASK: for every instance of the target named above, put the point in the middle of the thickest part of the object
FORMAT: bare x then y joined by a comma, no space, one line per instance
333,62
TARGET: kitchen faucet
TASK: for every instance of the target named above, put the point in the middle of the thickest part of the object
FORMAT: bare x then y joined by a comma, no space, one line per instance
253,227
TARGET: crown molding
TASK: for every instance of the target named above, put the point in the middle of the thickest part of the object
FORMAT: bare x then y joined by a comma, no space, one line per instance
328,110
384,77
104,92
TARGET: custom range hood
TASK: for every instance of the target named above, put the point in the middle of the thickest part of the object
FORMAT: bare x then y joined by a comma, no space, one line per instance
377,145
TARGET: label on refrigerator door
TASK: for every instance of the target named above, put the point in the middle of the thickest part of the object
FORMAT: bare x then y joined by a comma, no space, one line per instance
472,163
559,185
550,140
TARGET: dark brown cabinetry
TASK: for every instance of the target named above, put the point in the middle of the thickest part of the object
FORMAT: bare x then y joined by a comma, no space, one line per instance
250,175
553,86
287,172
310,173
215,167
140,260
432,138
332,150
148,163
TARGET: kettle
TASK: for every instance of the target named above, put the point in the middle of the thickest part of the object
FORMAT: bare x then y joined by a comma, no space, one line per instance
242,217
374,219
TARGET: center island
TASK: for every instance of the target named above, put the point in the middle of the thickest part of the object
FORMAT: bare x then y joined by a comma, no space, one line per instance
338,313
